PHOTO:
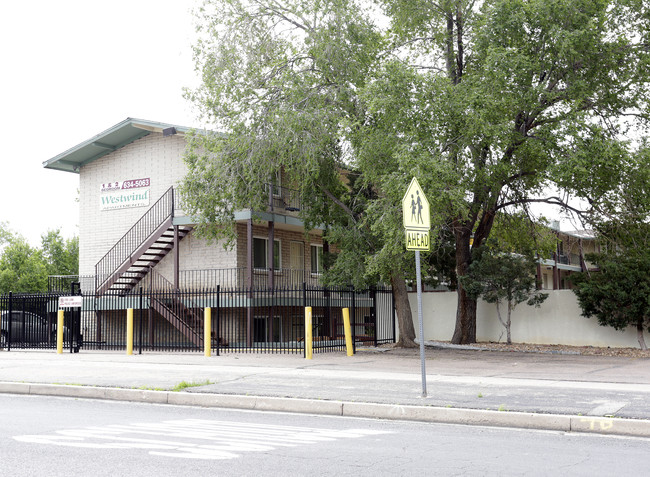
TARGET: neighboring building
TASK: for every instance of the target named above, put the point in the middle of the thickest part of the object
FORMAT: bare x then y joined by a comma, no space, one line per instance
569,257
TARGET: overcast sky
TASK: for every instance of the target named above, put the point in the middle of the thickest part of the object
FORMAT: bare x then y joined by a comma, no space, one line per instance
71,69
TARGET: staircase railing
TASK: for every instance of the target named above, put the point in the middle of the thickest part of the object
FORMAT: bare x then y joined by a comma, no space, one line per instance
178,309
161,211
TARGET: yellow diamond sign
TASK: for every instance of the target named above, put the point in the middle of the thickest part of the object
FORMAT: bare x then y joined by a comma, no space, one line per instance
415,214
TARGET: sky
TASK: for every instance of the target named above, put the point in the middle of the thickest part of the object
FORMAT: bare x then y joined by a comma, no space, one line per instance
70,70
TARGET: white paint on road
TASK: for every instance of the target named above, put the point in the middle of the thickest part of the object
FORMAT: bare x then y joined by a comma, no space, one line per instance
195,438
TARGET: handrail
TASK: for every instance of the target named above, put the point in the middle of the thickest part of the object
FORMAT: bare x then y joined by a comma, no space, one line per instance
283,198
152,219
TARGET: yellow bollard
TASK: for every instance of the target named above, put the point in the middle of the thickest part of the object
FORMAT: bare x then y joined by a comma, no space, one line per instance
348,331
308,334
129,331
59,332
207,331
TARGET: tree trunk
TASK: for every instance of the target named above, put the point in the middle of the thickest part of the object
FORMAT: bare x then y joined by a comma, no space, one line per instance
465,331
639,335
508,323
403,307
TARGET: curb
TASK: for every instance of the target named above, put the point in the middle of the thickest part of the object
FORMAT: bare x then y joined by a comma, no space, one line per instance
520,420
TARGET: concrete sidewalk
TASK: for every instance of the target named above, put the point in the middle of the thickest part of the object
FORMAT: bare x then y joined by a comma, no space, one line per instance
530,390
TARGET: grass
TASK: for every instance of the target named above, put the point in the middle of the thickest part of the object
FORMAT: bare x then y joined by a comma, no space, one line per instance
184,385
148,388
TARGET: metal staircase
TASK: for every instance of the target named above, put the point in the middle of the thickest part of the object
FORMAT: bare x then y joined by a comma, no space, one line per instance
140,249
182,314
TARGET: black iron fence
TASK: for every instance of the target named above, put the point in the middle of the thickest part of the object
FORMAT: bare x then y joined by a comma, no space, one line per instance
243,319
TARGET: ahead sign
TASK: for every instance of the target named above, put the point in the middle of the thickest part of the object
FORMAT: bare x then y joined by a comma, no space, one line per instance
417,222
415,214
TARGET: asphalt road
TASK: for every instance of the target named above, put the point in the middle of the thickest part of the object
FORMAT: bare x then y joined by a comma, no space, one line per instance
46,436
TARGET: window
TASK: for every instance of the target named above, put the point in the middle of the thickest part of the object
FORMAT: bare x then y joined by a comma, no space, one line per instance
297,256
260,253
316,259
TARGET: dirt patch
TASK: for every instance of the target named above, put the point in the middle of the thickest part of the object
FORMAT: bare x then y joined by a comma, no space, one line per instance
564,349
549,349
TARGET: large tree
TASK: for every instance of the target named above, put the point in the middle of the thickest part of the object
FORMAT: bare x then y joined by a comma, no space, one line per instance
493,105
501,104
282,79
24,268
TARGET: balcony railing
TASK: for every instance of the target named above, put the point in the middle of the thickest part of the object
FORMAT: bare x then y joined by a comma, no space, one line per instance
208,279
283,199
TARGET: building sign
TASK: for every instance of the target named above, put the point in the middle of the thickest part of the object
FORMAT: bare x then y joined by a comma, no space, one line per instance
70,301
416,217
125,194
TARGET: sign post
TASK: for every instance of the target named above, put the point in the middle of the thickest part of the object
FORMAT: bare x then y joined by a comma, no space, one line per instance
417,222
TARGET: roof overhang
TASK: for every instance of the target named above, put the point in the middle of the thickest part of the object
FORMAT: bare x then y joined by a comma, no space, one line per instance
112,139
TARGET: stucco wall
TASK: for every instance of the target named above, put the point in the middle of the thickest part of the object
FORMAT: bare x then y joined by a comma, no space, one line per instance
557,321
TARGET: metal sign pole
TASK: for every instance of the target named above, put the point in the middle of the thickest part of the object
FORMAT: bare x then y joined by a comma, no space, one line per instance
419,287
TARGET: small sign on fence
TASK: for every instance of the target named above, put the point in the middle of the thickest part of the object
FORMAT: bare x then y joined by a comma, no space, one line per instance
70,301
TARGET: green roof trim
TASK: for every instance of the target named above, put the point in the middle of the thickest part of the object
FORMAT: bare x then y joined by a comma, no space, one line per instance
112,139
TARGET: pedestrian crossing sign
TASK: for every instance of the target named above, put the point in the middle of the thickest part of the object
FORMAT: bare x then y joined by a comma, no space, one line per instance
416,218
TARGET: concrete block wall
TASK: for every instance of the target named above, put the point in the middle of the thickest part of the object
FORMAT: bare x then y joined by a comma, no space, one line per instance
152,156
559,320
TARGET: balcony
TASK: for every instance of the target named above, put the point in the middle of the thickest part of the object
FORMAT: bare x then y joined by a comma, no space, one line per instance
283,199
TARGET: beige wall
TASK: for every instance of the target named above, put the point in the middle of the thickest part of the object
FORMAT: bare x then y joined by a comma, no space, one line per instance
557,321
153,156
284,236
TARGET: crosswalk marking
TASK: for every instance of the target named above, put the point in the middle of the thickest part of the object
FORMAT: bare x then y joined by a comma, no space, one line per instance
195,438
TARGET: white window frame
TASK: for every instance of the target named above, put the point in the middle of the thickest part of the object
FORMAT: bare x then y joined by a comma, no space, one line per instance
266,254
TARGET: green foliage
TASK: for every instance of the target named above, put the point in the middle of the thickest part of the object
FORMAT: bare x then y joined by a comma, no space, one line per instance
498,276
618,295
493,105
24,268
61,255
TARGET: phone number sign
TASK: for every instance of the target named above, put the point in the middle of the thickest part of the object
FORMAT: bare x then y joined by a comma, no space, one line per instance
125,194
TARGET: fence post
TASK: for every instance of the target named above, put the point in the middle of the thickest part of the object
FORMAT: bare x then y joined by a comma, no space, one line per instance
218,325
140,325
354,321
347,331
308,333
11,310
207,331
59,332
304,305
373,297
129,331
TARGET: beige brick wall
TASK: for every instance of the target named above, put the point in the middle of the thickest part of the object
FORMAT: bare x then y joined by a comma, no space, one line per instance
159,159
284,236
153,156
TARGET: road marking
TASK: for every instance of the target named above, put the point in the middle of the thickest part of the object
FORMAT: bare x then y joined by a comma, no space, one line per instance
195,438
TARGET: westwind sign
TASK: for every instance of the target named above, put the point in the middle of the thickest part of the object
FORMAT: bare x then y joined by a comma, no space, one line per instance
124,194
